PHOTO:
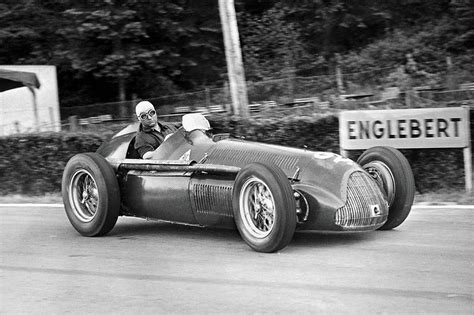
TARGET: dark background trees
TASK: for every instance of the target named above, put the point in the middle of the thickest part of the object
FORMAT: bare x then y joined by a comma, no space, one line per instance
108,50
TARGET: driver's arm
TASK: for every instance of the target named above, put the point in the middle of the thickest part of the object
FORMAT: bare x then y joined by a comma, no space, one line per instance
144,149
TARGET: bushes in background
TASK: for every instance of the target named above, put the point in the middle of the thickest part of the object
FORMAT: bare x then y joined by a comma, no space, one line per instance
317,133
33,164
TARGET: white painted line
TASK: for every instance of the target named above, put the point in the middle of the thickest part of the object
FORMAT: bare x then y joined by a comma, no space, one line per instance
60,205
37,205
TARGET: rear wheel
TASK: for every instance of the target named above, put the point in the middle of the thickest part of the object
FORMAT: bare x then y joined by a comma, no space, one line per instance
90,194
393,173
264,207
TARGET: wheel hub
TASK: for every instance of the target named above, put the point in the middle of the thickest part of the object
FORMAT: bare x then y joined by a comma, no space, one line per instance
257,207
384,178
83,195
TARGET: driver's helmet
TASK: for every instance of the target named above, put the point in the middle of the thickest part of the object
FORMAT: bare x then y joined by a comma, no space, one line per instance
195,121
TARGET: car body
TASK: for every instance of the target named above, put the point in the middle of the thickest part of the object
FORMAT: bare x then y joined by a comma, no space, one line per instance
266,191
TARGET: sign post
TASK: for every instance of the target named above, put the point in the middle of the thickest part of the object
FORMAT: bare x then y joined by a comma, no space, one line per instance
419,128
235,68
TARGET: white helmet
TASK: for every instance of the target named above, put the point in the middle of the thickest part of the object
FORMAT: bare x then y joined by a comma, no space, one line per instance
142,107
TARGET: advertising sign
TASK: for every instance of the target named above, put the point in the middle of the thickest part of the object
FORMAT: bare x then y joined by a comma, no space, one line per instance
405,128
418,128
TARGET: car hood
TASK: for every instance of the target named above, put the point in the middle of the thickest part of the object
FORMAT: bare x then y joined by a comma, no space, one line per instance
325,172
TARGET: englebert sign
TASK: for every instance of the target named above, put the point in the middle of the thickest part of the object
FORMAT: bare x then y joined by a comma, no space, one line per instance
408,129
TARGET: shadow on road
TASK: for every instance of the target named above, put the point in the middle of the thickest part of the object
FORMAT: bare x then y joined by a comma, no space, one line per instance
140,228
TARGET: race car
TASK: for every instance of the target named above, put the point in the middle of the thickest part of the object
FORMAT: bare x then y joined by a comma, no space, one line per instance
265,191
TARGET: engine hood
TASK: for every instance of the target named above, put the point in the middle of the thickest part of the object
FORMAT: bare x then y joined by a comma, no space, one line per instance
324,173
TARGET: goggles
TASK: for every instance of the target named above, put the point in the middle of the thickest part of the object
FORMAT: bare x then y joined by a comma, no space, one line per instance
150,114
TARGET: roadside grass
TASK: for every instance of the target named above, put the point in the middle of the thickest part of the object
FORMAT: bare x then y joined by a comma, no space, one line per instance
456,197
459,196
439,197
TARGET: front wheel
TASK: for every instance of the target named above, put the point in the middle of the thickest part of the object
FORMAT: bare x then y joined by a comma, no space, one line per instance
91,194
393,173
264,207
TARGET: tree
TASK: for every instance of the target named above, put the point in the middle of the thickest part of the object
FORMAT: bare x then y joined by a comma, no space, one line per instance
271,46
170,46
330,27
189,33
106,41
150,48
27,32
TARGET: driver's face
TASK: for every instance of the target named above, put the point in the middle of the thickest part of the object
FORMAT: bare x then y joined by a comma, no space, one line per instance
148,118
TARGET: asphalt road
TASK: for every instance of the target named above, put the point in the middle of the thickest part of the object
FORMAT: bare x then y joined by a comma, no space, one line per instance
426,265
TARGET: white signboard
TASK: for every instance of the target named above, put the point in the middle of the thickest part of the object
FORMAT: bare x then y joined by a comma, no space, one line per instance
17,105
418,128
405,128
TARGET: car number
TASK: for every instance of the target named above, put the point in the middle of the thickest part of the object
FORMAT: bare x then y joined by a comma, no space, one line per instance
337,158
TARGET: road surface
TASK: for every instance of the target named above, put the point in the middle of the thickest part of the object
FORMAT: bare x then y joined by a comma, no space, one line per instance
426,265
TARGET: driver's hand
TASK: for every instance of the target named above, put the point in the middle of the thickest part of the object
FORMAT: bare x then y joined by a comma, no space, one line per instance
148,155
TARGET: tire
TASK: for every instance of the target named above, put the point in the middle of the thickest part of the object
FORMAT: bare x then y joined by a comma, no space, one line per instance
268,224
91,194
393,173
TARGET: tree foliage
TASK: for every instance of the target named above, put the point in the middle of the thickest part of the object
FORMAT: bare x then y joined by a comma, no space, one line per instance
368,34
271,45
110,49
146,47
127,41
106,41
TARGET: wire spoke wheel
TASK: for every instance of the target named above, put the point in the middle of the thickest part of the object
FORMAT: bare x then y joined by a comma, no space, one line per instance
264,207
392,172
91,194
384,178
258,207
83,195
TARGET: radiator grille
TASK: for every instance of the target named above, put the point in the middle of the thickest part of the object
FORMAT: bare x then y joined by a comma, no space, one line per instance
212,199
363,195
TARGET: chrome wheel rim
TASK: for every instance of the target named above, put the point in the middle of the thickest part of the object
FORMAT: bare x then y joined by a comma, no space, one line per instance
257,207
83,195
384,178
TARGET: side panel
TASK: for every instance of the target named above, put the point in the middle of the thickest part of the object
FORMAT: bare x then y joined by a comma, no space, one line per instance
211,200
155,195
117,147
322,208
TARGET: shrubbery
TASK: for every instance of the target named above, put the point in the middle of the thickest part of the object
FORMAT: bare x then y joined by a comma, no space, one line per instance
33,164
317,133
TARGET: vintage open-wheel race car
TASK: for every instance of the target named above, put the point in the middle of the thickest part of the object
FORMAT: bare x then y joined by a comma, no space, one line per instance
265,191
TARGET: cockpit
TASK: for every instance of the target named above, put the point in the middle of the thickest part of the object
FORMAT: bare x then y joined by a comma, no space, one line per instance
190,142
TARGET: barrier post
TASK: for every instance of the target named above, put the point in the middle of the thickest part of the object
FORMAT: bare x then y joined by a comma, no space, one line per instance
467,152
73,124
